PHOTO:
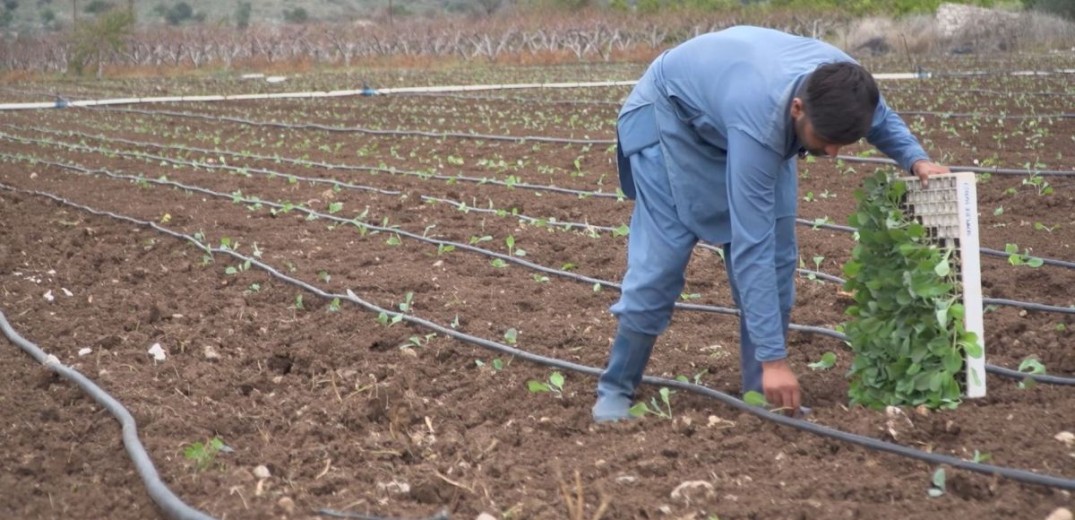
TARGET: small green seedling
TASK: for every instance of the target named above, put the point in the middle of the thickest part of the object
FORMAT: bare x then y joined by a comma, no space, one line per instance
755,399
937,487
1038,182
827,361
1024,258
404,307
512,250
497,364
554,384
1030,366
980,457
334,305
697,377
654,408
418,341
511,336
203,454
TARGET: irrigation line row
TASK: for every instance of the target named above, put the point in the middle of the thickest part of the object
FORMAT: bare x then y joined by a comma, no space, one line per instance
459,205
994,170
1019,475
172,506
449,178
983,250
362,130
901,113
988,91
524,218
305,163
545,139
505,257
984,116
803,272
166,500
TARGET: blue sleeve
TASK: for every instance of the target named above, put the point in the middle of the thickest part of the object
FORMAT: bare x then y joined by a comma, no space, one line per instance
890,135
752,173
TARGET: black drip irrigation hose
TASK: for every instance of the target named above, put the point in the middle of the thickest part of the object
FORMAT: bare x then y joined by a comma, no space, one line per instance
982,250
166,500
564,225
305,163
555,224
468,247
1018,475
985,116
995,170
521,185
490,137
992,92
541,139
361,130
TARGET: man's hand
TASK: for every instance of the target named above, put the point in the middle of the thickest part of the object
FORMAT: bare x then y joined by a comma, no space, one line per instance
923,169
780,385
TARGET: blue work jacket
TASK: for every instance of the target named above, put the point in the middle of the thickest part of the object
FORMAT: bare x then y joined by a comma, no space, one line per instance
719,107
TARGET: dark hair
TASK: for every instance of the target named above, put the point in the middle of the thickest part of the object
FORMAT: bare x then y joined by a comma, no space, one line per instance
839,100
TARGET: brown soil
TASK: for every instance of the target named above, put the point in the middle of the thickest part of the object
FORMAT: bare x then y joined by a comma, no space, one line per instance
349,414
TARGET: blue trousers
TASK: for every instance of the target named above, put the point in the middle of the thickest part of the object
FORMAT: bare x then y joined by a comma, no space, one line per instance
659,247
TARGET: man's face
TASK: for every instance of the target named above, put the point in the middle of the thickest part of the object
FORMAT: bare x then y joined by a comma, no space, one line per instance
804,129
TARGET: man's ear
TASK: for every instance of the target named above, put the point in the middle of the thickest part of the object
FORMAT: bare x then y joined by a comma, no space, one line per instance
797,110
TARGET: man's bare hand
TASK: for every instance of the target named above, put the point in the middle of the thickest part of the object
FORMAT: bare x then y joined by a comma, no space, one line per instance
780,386
923,169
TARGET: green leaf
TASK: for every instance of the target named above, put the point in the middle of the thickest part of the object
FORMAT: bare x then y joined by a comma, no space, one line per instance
1031,366
755,399
638,410
942,316
557,380
942,269
536,386
665,394
939,479
827,361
